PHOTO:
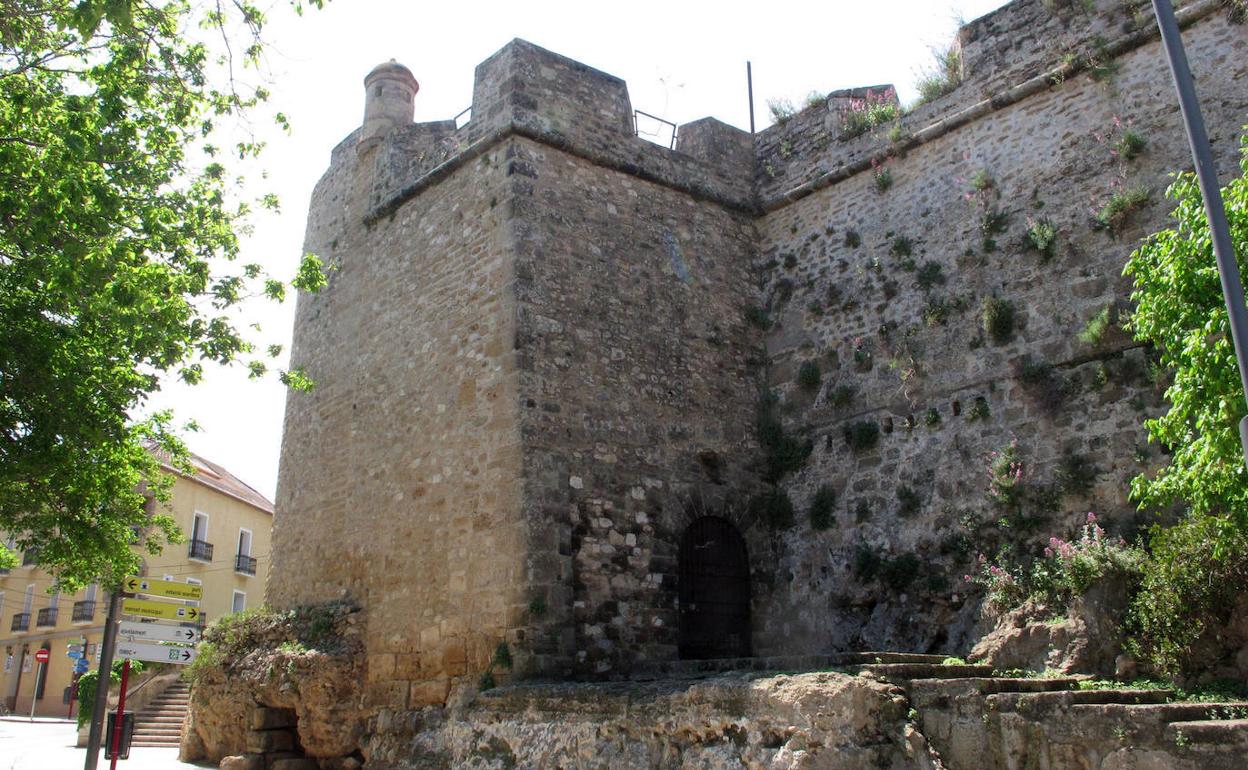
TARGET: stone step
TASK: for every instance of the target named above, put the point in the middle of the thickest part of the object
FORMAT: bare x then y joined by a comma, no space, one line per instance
899,672
1209,731
990,685
679,669
154,743
1058,698
173,734
151,719
1161,712
856,658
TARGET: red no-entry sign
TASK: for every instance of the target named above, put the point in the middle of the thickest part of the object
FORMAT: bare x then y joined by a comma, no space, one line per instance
42,656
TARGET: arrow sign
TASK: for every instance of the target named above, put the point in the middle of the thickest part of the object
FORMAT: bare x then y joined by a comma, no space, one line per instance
162,610
157,632
155,653
73,654
166,588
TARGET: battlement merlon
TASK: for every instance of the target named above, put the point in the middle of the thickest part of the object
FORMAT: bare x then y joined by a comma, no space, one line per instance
525,90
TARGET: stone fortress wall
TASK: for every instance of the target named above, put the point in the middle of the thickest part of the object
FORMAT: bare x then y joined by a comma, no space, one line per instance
885,290
536,364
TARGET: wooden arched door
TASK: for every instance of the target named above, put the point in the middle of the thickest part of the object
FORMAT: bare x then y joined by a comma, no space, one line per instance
714,591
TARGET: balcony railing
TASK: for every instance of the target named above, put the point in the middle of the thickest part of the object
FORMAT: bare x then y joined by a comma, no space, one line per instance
46,618
200,549
84,611
245,564
21,622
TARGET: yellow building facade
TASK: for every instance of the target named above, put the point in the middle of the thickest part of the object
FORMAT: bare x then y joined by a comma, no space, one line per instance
226,524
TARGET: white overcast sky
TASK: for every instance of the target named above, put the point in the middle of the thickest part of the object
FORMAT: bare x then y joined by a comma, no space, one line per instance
681,60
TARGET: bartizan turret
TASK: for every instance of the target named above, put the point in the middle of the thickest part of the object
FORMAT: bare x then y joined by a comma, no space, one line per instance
389,102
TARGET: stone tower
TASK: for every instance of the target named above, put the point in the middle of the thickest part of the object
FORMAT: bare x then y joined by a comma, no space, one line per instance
389,102
612,405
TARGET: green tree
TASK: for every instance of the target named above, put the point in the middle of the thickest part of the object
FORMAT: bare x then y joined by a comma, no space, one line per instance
1197,565
119,239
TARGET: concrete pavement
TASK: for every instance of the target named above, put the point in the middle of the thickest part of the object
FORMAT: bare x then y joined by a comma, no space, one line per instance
49,745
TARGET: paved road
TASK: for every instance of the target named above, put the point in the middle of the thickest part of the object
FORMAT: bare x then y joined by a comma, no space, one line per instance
49,745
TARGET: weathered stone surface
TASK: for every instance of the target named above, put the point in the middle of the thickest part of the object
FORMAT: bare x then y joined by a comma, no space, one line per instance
294,763
243,762
1086,640
823,720
265,741
263,718
316,692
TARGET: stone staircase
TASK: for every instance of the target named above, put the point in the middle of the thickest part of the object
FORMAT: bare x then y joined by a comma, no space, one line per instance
160,722
976,720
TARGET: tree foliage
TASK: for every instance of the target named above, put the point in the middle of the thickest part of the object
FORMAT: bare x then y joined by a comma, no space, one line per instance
1189,581
119,239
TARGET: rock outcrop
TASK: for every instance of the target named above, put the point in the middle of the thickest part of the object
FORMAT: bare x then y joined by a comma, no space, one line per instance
805,721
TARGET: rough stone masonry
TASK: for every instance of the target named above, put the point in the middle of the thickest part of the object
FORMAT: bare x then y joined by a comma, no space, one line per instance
545,345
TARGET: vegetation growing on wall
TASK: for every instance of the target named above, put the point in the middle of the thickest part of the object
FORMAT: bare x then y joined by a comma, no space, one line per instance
782,453
997,318
1179,308
942,76
862,115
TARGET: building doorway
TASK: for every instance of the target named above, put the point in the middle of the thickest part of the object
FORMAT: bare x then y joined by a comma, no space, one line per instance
714,591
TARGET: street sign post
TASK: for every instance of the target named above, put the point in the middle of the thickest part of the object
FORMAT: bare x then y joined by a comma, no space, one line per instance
166,588
161,610
157,632
42,657
156,653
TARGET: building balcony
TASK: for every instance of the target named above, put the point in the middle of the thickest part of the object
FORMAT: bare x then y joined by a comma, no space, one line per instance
244,564
21,622
201,550
46,618
84,611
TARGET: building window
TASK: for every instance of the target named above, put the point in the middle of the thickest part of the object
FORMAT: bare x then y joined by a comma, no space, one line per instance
240,602
199,548
244,562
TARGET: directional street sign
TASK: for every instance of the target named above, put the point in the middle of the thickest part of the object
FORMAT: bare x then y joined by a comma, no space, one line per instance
155,653
162,610
73,654
166,588
80,666
156,632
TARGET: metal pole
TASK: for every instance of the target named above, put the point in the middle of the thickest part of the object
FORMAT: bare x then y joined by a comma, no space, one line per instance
749,84
103,679
121,713
34,696
1207,175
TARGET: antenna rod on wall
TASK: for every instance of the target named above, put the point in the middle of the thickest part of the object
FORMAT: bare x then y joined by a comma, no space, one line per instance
749,84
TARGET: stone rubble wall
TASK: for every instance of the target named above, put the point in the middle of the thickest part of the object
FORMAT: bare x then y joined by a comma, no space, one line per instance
534,367
400,474
844,294
638,397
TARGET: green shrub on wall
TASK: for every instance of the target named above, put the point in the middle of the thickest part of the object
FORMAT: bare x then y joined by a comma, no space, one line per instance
998,320
1187,590
822,507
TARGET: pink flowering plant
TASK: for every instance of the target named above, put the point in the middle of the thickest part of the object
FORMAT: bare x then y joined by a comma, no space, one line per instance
1067,569
1008,477
862,115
